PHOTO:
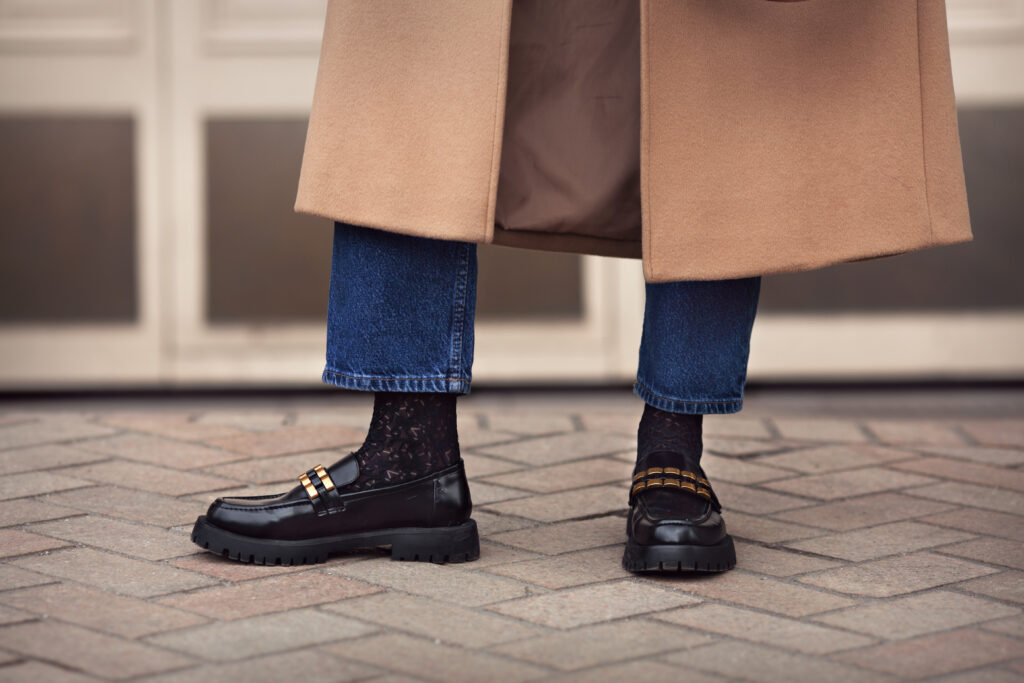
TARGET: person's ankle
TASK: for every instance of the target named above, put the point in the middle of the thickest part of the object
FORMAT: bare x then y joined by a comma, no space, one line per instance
411,435
668,439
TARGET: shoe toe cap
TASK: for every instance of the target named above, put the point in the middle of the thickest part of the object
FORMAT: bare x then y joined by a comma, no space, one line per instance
656,529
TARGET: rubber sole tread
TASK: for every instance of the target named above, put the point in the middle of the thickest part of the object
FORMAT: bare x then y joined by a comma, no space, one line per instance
679,558
438,545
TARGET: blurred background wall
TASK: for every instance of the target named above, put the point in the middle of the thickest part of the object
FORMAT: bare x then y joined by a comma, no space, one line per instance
149,156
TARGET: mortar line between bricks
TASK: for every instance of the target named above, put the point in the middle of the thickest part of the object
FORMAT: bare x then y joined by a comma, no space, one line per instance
944,550
825,501
546,630
965,590
90,485
21,525
531,466
536,590
59,442
964,434
958,461
138,641
72,548
419,636
931,548
584,518
880,641
78,512
527,493
788,469
764,611
57,665
773,429
519,437
105,458
204,660
378,672
856,468
612,457
850,564
950,585
39,617
956,507
926,634
875,640
937,677
618,661
735,641
965,506
794,580
872,438
614,620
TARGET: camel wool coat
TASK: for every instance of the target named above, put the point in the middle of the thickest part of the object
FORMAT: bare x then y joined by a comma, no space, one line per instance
714,139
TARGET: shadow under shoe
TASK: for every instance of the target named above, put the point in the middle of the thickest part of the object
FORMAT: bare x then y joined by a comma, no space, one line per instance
423,519
675,521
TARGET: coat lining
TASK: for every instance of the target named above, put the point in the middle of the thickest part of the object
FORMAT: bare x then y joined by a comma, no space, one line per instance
570,158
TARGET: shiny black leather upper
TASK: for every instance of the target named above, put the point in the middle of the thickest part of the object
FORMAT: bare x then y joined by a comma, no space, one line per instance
674,516
438,499
652,522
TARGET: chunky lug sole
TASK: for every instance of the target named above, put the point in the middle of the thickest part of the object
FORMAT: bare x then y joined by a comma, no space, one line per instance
680,558
418,544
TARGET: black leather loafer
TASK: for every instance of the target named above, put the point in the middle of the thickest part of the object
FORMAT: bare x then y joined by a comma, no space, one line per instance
675,523
426,519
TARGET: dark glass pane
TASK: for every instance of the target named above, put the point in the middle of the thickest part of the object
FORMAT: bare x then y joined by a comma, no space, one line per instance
519,283
268,264
265,263
982,274
67,219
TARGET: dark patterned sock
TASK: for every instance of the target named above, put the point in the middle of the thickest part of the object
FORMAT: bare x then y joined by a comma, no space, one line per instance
667,439
664,431
411,435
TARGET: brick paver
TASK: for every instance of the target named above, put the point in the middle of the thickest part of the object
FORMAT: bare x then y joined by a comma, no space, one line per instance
14,543
871,548
592,604
917,615
767,629
762,592
99,610
879,541
939,654
44,457
589,646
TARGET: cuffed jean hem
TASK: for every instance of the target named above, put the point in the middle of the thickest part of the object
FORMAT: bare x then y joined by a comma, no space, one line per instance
674,405
441,385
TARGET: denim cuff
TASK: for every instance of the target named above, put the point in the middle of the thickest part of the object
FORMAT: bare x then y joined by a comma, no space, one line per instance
687,406
442,385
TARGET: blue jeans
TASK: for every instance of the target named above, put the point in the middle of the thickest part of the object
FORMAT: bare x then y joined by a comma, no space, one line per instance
401,313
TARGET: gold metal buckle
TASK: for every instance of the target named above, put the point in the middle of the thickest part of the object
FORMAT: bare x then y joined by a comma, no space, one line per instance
324,477
687,481
310,489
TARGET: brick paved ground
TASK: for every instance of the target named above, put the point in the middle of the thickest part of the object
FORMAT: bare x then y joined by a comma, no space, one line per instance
871,547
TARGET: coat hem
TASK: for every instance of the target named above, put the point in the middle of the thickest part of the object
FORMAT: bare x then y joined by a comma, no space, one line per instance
568,242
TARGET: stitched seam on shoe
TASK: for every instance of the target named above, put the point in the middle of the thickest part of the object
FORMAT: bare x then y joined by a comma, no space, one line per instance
264,507
644,510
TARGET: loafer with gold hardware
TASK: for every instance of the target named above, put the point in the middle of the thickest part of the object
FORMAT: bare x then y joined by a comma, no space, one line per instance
425,519
675,520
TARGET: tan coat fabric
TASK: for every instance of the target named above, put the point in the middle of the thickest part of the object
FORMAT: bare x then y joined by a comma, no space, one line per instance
713,138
